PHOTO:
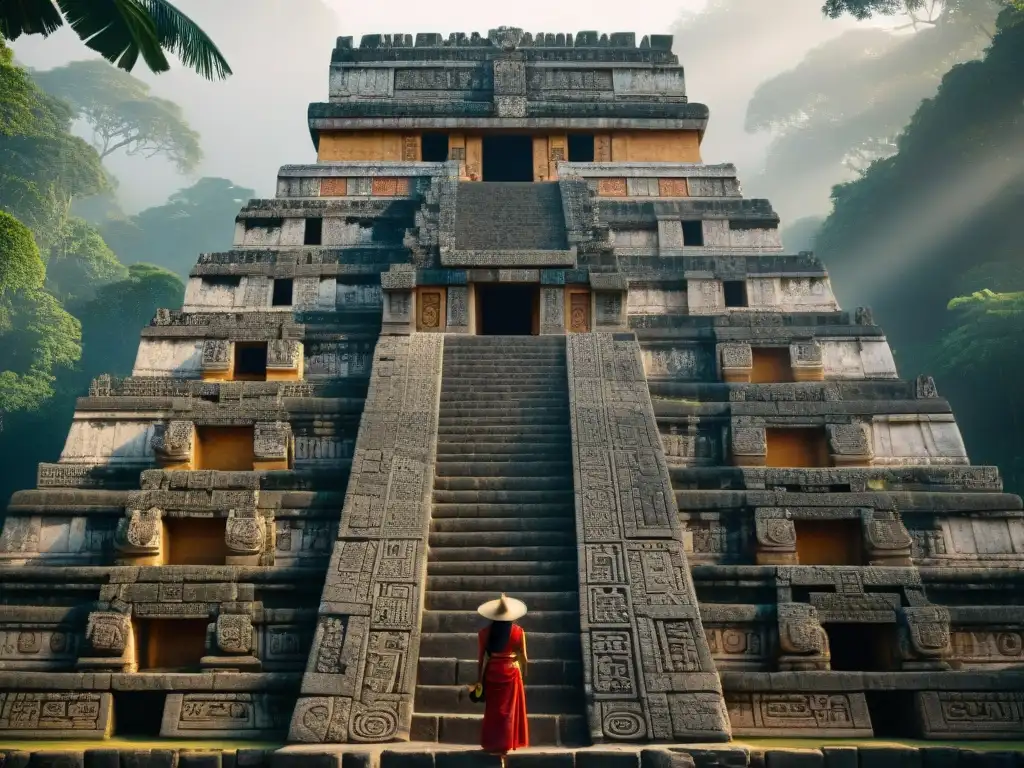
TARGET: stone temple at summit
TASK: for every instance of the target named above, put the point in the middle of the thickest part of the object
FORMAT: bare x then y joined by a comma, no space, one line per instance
509,334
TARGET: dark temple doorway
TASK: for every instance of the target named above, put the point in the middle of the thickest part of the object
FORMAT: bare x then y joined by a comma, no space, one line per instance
506,310
508,158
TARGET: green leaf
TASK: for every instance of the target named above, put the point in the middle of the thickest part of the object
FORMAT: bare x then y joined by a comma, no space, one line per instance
28,17
182,36
119,30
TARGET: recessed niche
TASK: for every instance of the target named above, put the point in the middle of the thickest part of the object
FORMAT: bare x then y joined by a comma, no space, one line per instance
805,447
282,294
250,361
228,449
770,365
861,647
829,542
735,292
314,233
138,713
170,645
693,233
195,540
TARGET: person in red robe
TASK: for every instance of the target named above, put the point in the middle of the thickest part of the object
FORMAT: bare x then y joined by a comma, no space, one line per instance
501,671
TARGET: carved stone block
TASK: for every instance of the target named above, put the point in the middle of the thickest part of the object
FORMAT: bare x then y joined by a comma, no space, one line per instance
807,361
749,446
245,535
216,355
776,537
234,633
803,644
850,444
140,532
108,633
736,361
284,354
888,542
173,442
272,440
924,637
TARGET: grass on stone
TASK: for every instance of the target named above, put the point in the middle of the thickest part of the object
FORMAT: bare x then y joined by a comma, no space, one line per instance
124,742
993,746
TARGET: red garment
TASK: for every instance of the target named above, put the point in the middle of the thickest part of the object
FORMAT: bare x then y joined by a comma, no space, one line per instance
505,727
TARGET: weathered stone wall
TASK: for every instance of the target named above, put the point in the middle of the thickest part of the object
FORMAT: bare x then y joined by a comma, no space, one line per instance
360,676
648,670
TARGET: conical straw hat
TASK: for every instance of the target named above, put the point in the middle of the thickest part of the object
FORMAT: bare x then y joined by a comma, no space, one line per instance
503,609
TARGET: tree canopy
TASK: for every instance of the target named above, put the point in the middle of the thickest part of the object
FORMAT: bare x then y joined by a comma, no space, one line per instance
122,113
197,219
121,31
930,238
37,336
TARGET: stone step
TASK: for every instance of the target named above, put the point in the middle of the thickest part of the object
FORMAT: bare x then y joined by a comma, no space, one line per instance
494,419
563,522
470,600
526,514
470,621
518,400
453,671
457,342
553,454
501,497
509,433
533,483
515,567
540,699
539,645
505,413
498,390
468,537
522,553
545,730
499,578
504,467
510,352
527,371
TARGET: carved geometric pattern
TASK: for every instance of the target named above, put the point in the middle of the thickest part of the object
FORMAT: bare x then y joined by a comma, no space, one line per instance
645,651
360,675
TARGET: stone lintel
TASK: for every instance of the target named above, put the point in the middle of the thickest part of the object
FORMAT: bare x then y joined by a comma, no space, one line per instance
374,168
529,123
509,259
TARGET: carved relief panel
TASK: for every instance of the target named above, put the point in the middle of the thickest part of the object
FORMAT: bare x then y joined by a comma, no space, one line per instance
430,309
577,310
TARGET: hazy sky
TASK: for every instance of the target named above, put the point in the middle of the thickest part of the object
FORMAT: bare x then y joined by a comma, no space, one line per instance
280,51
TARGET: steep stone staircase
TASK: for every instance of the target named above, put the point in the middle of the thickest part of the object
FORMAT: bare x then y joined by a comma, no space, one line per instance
509,216
503,521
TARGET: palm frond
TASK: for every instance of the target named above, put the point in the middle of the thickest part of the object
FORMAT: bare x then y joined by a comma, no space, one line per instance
119,30
183,37
28,17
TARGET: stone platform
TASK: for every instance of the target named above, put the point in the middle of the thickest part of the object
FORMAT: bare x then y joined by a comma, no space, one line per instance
880,754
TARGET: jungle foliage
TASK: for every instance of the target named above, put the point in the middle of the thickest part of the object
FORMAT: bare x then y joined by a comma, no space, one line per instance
930,238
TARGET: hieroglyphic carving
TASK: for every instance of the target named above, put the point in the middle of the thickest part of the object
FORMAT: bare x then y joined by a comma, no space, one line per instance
924,634
820,714
140,532
458,307
359,680
172,442
234,633
108,633
971,714
552,309
579,312
429,310
803,644
644,646
32,715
